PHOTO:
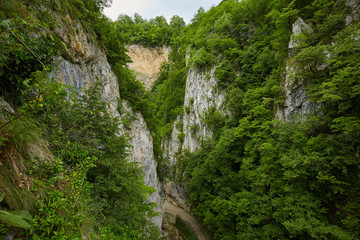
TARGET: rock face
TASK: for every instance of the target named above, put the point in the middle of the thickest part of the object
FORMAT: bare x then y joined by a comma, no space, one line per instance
146,62
296,100
200,95
84,64
190,129
81,47
5,108
355,15
141,148
297,28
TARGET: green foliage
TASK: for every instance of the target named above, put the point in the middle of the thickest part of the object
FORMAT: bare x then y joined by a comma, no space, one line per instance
181,137
16,62
85,128
32,175
224,74
262,179
194,129
198,15
72,197
223,24
310,59
185,231
16,218
149,33
255,179
327,25
122,233
169,106
187,109
67,196
202,59
214,119
87,12
282,16
20,136
56,218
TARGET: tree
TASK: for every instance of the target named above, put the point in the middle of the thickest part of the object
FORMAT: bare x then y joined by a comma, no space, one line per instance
177,23
197,16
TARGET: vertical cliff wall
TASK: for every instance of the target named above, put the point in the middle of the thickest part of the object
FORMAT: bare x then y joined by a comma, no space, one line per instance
146,62
296,100
85,63
190,128
355,15
200,95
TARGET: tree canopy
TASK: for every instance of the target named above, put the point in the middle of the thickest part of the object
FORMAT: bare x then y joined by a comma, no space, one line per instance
259,178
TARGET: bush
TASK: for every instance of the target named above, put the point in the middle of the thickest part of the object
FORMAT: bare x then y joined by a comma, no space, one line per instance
202,59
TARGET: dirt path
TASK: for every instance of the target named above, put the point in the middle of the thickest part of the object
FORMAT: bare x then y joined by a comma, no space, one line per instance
189,219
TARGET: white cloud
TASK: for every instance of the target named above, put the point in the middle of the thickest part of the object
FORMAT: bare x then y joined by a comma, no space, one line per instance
126,7
152,8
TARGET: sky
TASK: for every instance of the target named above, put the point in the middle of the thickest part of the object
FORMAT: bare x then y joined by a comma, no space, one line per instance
152,8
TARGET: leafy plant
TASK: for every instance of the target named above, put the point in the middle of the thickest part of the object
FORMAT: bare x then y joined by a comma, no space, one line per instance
15,218
203,59
194,129
181,137
185,231
258,178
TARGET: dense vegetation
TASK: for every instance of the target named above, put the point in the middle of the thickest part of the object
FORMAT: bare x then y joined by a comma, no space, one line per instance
259,178
64,169
64,165
149,33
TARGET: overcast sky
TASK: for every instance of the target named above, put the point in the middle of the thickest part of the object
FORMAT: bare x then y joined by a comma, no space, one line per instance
153,8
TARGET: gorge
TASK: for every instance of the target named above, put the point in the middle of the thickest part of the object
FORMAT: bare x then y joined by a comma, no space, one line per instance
243,124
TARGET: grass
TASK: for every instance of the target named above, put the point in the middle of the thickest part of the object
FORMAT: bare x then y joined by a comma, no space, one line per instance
20,144
185,231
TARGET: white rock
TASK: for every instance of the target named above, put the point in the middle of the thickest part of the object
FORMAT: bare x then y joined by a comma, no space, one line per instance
141,148
200,95
85,64
355,15
296,100
5,108
297,28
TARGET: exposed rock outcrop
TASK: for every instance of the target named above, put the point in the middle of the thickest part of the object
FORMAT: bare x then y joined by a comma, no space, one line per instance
200,95
190,128
86,63
355,15
146,62
297,28
296,100
141,148
80,46
5,108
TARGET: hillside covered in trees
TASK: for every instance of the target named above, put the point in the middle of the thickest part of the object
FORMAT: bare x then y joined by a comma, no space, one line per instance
258,177
274,154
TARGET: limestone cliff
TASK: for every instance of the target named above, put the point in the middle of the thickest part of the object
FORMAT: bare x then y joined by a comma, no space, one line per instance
201,94
296,100
141,148
355,15
190,128
146,62
85,63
